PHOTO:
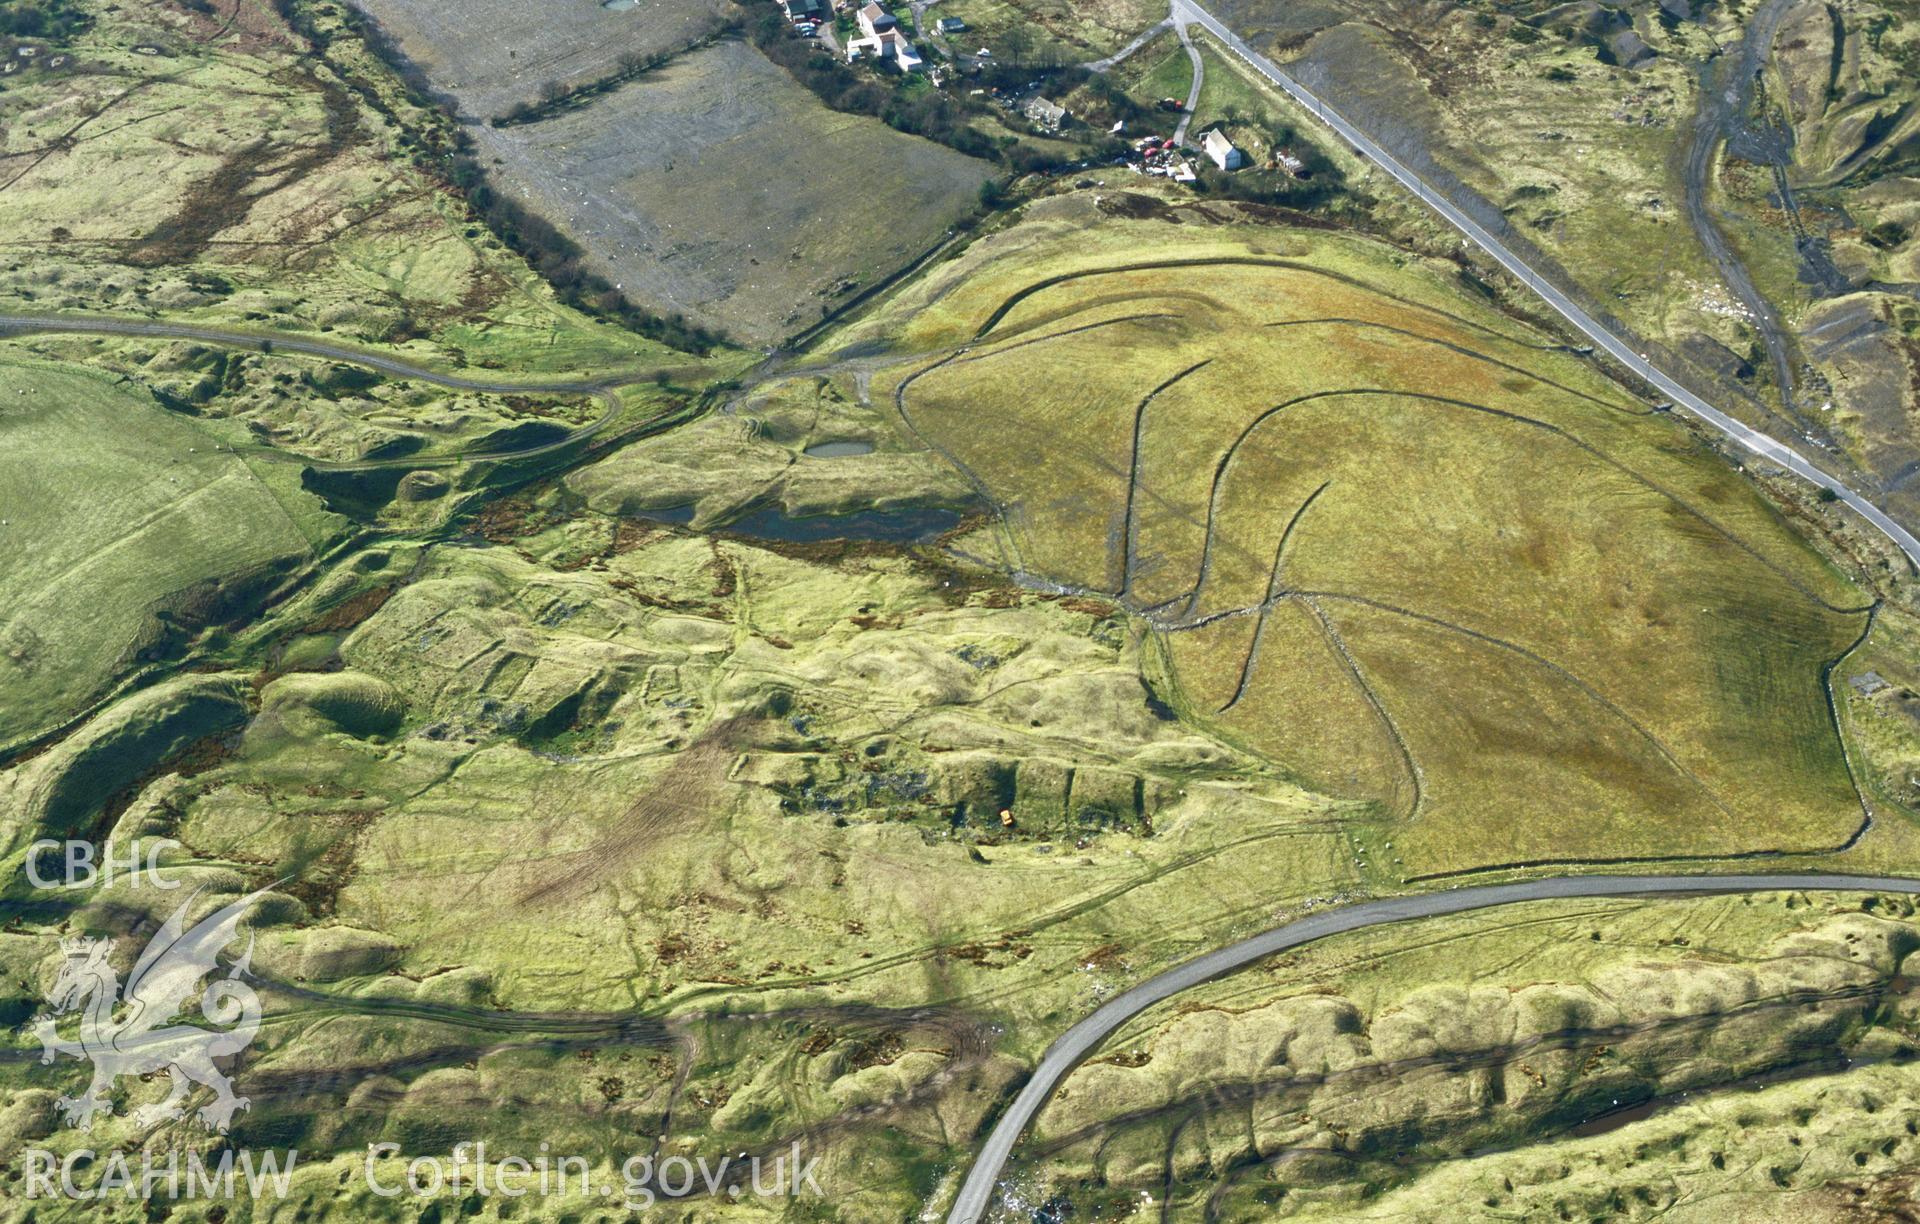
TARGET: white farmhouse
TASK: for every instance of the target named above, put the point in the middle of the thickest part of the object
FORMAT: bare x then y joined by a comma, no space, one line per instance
880,37
1221,150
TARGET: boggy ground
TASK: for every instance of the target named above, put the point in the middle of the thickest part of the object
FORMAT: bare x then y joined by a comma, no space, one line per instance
719,187
716,186
227,168
258,177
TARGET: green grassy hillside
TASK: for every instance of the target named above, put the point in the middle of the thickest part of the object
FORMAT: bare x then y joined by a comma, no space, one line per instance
1396,541
128,527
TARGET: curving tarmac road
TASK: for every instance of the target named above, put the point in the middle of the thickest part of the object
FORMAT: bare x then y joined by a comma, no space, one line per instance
98,325
600,389
1751,440
976,1193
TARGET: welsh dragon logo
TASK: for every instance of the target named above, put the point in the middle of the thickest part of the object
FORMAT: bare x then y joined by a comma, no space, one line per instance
126,1031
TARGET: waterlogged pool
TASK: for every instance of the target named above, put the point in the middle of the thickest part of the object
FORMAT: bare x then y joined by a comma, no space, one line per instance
837,450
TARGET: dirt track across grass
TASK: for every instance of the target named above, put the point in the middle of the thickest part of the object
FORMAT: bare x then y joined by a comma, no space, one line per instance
1369,580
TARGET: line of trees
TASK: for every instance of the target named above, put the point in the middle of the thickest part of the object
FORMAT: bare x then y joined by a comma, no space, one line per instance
558,260
447,154
632,65
55,19
920,112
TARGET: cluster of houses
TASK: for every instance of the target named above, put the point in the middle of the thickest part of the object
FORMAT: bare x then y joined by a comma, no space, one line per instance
880,34
882,38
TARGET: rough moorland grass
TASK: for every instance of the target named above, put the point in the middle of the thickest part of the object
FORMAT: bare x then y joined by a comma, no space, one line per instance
1475,1036
597,767
755,454
123,524
758,750
236,179
314,408
1056,31
1533,618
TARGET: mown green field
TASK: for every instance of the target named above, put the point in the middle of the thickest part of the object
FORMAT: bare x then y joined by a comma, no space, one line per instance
1394,540
1227,92
1158,70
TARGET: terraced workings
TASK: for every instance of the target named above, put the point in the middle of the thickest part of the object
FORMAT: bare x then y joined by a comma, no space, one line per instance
1411,553
1456,1048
